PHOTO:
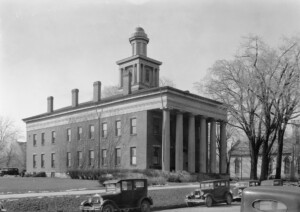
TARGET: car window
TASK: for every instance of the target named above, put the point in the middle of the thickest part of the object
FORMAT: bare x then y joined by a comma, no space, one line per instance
126,185
140,184
269,206
223,183
112,187
206,185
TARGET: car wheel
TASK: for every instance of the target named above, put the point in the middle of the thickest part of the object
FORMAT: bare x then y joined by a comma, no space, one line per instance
208,201
108,208
228,199
145,206
189,204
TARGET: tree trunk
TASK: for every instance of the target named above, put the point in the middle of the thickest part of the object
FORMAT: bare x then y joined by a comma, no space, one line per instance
254,159
279,153
264,162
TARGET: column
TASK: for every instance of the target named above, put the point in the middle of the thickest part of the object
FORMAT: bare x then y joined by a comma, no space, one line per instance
157,77
223,144
166,141
150,77
203,149
142,73
191,144
154,78
179,142
121,77
136,67
213,146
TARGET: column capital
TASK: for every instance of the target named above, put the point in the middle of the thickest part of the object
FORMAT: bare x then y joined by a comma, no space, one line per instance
203,117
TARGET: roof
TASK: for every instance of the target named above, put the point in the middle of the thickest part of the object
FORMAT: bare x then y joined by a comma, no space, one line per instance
272,191
242,148
211,181
119,180
121,97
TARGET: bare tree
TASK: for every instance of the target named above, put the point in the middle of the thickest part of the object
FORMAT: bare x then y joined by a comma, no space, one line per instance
260,87
9,134
110,91
164,81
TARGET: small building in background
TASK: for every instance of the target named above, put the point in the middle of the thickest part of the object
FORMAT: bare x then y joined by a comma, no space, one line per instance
240,162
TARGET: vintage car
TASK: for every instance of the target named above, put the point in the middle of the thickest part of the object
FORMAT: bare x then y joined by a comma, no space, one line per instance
210,192
237,189
273,182
271,199
9,171
120,195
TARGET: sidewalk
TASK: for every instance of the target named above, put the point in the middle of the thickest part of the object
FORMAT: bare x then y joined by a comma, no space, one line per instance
83,192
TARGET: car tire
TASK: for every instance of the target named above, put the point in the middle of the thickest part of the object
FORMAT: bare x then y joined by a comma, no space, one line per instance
189,204
108,208
228,199
145,206
208,201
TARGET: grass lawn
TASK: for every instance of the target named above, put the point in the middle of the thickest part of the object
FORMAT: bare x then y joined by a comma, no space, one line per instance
36,184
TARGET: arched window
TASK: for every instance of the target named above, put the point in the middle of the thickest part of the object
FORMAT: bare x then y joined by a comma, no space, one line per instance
236,166
270,166
286,165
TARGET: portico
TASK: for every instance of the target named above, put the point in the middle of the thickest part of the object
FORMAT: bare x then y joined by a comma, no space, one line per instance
195,137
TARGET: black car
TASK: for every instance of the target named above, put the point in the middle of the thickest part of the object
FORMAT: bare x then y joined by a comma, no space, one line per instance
9,171
210,192
271,199
120,195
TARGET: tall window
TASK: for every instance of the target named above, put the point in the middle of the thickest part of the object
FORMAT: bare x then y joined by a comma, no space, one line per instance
156,122
42,160
53,136
34,161
156,160
43,139
69,135
91,157
52,160
286,165
133,126
34,139
79,133
79,158
236,166
104,130
117,156
147,75
118,128
104,157
91,132
133,155
68,159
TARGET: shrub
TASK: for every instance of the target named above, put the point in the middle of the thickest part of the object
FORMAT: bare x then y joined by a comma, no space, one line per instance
157,181
40,174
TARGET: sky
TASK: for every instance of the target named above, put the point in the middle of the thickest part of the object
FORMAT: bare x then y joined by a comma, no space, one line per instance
49,47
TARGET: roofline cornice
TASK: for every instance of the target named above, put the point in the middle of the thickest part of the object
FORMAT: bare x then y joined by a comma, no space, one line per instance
128,59
142,94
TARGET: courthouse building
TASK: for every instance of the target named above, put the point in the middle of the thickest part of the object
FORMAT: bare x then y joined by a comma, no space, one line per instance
143,126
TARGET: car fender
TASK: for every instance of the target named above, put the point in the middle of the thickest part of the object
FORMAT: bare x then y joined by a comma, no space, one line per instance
208,194
149,199
105,202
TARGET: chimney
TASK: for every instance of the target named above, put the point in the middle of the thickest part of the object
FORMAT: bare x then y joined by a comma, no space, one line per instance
97,91
127,82
75,97
50,104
